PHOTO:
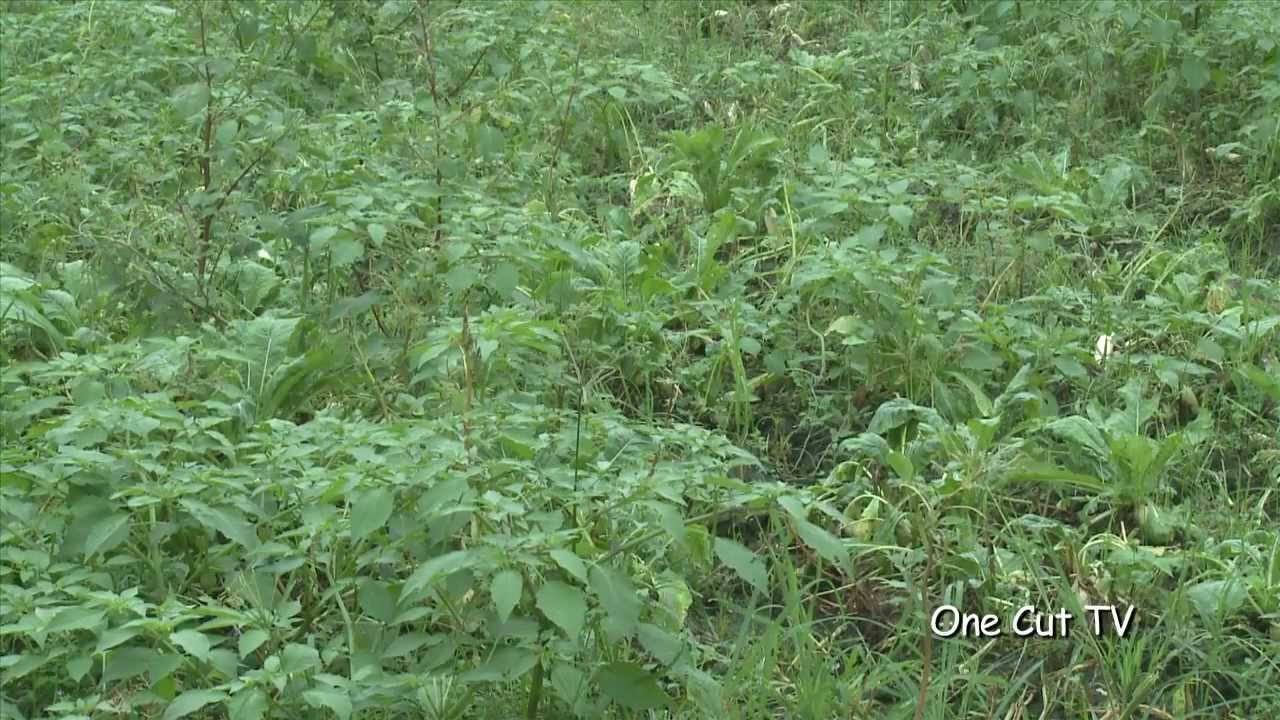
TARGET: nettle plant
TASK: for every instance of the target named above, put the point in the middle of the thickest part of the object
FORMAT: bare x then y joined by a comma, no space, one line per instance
168,553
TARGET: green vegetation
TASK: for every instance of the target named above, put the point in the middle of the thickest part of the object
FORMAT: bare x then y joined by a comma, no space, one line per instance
373,359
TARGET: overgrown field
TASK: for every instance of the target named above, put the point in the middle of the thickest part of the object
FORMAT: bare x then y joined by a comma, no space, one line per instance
400,359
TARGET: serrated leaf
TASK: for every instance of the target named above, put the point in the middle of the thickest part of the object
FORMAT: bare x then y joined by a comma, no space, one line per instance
503,279
569,683
371,512
617,597
1070,367
106,534
440,566
405,644
190,99
506,589
78,666
248,704
742,561
662,645
346,250
1195,71
191,701
828,546
377,600
902,215
321,236
196,644
339,701
127,662
251,640
75,618
564,605
228,521
461,277
571,563
297,657
631,686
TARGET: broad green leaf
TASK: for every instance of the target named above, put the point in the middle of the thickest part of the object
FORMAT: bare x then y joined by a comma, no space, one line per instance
902,215
898,412
335,699
226,132
346,250
824,543
1079,432
256,282
1262,381
228,521
489,140
506,664
78,666
191,701
298,379
564,605
744,562
106,534
19,666
405,644
845,325
251,640
569,682
902,466
460,277
675,598
248,704
868,445
980,398
440,566
321,236
196,644
571,563
1070,368
506,589
377,600
1195,71
664,646
76,618
631,686
503,279
1216,599
127,662
299,658
190,99
371,512
617,598
354,306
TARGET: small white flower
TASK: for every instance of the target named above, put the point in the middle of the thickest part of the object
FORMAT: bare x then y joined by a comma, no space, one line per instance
1105,348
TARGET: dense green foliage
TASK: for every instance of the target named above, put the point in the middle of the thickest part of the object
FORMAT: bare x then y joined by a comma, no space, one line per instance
671,359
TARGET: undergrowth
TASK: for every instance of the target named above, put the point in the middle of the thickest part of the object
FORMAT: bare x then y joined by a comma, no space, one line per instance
657,359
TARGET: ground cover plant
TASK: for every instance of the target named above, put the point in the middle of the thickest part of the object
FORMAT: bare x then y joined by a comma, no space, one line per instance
708,359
